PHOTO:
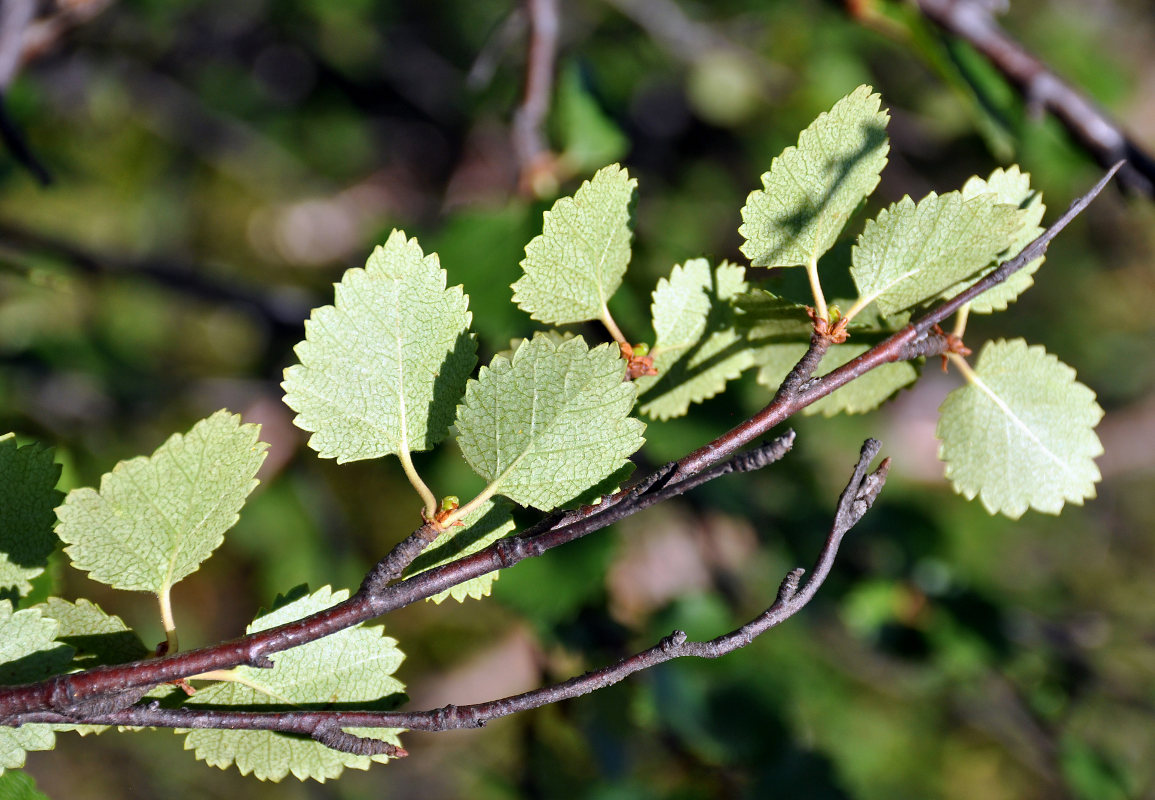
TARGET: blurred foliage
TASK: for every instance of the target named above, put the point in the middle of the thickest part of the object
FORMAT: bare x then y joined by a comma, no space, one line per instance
218,165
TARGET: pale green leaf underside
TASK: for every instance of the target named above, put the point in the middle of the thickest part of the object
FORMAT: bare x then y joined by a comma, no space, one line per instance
1011,186
97,636
778,333
812,189
551,423
486,524
1022,434
913,252
28,653
156,519
28,478
697,349
381,370
353,667
577,263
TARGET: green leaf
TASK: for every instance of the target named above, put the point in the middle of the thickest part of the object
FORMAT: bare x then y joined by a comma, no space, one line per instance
351,670
812,189
381,371
19,786
98,637
28,477
1013,187
589,137
489,522
577,263
697,350
548,424
28,653
156,519
778,334
1021,432
913,252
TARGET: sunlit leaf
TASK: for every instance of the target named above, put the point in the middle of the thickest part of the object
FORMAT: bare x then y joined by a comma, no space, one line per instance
812,189
549,423
1021,434
381,371
577,263
912,252
1013,187
156,519
352,668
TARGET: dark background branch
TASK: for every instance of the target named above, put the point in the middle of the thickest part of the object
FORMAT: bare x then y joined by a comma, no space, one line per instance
1043,90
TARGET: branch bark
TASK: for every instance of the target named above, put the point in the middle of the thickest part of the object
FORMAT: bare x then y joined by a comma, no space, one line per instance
326,726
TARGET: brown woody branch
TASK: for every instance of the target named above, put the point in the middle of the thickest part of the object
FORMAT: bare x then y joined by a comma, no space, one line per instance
113,689
326,726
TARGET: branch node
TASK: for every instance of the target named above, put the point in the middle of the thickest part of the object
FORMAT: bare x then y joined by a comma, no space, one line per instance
789,586
675,640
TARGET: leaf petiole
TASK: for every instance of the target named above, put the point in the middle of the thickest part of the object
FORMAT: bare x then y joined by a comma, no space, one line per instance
960,321
611,326
164,600
427,496
816,289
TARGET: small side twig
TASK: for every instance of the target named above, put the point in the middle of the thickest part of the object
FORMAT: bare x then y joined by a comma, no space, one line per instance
326,726
529,141
15,17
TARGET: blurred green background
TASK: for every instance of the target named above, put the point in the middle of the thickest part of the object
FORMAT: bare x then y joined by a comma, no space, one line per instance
217,165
